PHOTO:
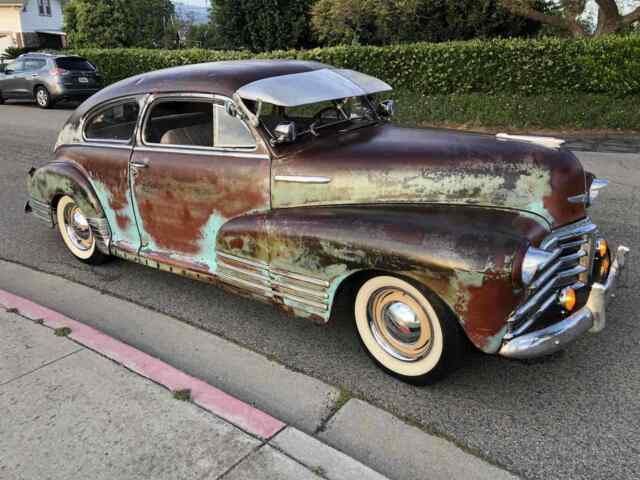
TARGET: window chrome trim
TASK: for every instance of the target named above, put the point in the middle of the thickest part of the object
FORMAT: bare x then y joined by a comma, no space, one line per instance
139,99
201,151
154,99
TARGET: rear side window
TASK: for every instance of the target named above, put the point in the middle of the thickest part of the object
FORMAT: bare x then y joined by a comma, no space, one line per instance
34,64
75,64
193,123
116,123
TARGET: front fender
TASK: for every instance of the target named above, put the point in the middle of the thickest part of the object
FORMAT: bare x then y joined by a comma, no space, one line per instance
463,254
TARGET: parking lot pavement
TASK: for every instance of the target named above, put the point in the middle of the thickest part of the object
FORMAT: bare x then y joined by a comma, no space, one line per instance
575,415
69,412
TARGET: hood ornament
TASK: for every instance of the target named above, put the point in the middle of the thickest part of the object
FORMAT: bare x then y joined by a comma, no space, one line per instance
548,142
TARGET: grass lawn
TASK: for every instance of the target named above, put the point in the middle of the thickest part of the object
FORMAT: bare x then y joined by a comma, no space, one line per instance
554,112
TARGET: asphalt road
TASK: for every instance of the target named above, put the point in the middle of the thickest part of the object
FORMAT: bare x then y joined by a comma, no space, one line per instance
574,415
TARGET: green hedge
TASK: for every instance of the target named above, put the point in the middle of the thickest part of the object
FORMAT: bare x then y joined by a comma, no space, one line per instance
609,65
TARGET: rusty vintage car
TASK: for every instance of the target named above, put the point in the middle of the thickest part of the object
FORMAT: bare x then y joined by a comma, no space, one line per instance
285,181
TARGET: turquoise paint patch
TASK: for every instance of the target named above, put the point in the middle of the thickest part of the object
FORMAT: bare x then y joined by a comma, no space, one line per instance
129,234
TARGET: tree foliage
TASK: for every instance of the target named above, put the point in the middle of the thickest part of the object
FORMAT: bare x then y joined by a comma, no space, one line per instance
261,25
381,22
567,16
120,23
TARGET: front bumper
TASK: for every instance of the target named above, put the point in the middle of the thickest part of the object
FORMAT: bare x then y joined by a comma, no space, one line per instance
591,317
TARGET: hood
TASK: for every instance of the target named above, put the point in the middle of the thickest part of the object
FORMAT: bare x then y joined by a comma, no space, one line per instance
388,164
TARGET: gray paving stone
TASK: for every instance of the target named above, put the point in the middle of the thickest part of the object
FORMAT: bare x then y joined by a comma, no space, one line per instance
269,464
85,417
25,346
401,451
334,464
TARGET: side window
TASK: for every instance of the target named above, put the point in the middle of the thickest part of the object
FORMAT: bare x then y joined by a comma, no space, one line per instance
180,122
116,123
18,67
33,65
195,123
230,131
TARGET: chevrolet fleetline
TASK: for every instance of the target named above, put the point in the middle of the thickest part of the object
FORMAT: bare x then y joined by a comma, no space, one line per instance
285,181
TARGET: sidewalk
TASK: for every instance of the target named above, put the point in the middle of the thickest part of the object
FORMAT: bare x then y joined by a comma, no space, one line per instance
70,413
330,433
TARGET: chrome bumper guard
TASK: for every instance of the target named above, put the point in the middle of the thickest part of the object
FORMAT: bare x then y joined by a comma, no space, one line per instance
592,317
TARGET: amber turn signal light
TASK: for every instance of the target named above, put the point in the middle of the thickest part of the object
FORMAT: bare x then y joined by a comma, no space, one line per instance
567,299
605,263
602,247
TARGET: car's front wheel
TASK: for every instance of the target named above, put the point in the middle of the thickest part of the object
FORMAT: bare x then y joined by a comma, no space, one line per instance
76,232
43,98
407,330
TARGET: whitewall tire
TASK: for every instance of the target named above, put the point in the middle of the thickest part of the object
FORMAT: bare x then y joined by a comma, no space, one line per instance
76,232
406,330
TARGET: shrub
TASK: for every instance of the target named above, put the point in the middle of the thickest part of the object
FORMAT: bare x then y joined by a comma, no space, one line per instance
608,65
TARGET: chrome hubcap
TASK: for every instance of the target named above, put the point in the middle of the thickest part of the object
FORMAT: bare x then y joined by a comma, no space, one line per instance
77,227
42,97
399,324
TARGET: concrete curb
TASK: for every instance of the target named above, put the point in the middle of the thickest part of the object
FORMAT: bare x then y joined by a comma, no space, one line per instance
234,411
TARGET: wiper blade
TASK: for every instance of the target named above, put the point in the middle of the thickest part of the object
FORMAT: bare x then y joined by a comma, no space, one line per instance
356,127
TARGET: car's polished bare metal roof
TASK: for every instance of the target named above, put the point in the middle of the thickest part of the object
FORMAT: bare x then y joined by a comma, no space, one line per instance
223,78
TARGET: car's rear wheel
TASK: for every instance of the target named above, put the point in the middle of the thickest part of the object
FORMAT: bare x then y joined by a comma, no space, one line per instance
406,330
76,232
43,98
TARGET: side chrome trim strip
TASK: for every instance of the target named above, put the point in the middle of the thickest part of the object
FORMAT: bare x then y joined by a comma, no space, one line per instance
205,152
301,179
277,283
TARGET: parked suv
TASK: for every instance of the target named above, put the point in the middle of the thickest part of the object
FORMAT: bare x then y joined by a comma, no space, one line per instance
49,78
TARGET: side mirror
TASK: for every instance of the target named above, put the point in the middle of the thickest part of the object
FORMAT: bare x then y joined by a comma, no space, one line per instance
8,72
387,109
285,132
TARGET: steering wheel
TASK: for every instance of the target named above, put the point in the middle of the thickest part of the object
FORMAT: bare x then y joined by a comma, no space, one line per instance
319,114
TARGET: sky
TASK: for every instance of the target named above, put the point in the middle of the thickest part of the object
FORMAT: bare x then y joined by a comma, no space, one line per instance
196,3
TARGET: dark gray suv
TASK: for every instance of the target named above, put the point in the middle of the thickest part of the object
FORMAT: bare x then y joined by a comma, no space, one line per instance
49,78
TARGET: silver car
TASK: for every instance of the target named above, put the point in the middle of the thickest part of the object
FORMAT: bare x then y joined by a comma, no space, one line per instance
49,78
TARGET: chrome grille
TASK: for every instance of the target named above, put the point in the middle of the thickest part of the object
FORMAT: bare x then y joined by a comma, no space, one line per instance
570,265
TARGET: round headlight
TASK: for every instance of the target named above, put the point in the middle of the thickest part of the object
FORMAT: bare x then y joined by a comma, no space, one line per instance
534,260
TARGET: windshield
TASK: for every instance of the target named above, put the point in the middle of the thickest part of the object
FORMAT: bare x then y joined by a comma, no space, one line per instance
344,114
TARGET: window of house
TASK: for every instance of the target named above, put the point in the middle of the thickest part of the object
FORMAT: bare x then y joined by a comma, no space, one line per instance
44,8
115,123
195,123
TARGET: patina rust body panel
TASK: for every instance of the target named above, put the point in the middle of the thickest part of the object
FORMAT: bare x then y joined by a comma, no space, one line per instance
452,211
183,199
388,164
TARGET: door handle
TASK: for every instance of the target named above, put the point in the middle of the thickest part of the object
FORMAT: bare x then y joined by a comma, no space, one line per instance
140,164
34,75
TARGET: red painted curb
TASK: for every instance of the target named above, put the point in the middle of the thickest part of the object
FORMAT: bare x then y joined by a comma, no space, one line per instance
216,401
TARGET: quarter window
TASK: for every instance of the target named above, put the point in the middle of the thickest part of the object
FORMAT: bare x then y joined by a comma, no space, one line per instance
116,123
196,123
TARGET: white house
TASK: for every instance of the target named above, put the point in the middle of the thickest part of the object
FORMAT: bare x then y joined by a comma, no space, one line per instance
31,23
